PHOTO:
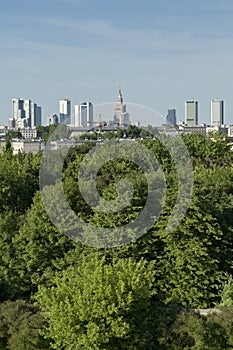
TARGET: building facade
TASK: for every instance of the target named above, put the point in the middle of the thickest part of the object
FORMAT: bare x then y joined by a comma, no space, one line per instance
217,112
65,111
120,117
24,146
29,133
36,115
171,117
53,119
84,115
25,113
191,113
184,129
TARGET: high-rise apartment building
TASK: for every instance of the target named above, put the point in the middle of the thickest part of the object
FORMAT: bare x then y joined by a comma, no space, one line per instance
65,111
191,112
217,112
171,117
83,114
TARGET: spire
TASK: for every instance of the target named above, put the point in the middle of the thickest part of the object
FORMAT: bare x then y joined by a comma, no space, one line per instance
120,97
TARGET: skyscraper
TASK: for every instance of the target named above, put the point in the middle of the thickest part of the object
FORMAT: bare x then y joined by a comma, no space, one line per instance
65,111
38,120
171,117
17,108
217,112
191,112
83,114
121,117
25,113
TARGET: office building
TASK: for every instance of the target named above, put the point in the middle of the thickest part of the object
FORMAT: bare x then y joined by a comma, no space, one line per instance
171,117
83,114
195,129
65,111
53,119
191,112
217,112
25,113
17,108
36,118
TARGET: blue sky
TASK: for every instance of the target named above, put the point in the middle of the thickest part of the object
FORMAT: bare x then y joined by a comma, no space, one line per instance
161,51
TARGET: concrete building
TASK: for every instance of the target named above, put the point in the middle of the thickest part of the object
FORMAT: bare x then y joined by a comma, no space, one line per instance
191,113
217,112
25,146
65,111
29,133
192,129
84,115
171,117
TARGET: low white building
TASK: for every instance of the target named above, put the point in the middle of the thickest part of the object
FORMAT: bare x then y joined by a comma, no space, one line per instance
26,146
29,133
195,129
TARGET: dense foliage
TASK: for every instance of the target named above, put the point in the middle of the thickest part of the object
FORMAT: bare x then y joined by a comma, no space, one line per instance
57,294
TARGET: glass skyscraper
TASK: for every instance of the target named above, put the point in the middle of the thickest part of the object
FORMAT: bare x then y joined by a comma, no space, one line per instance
191,112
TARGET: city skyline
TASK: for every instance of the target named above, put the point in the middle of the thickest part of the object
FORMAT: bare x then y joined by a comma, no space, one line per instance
162,53
68,112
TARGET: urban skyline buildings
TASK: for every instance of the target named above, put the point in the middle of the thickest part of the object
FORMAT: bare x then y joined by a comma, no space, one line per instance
65,111
217,112
171,117
83,114
25,113
120,117
191,112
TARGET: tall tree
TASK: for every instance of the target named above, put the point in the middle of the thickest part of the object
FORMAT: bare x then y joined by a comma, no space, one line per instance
95,305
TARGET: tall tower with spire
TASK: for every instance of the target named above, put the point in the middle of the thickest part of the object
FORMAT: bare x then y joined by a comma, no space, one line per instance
121,117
